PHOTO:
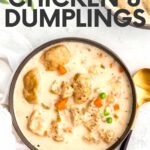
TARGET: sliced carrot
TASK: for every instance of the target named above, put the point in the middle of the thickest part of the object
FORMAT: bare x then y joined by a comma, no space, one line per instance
116,107
98,102
61,104
62,70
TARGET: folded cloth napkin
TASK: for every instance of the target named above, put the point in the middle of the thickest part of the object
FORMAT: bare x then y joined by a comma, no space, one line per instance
8,141
13,48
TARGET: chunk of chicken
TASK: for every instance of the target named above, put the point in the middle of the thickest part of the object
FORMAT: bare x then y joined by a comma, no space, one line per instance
63,89
91,139
66,90
91,124
82,88
146,5
37,124
68,130
107,135
31,86
55,87
56,132
94,69
115,89
54,57
91,117
76,116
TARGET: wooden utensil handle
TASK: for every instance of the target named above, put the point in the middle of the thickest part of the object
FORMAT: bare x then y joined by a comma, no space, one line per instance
125,143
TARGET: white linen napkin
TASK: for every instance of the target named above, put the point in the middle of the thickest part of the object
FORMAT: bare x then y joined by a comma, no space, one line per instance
13,48
7,139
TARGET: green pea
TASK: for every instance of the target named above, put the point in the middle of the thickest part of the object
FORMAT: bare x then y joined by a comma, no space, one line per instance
106,113
109,120
102,95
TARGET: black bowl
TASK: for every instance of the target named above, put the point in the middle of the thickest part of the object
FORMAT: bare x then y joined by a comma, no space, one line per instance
70,39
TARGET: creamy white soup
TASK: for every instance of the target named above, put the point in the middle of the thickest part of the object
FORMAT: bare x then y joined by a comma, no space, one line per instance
72,96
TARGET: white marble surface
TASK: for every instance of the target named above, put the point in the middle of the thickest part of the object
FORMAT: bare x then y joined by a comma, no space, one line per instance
131,44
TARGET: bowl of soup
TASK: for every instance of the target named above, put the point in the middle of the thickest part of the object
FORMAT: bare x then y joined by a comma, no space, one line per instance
72,93
143,5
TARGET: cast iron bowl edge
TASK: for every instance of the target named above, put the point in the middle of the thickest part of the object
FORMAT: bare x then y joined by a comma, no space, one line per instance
70,39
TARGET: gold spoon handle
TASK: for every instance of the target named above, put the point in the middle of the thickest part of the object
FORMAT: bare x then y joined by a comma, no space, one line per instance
142,83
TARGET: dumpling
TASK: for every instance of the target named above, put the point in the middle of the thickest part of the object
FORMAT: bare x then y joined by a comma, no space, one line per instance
54,57
31,86
66,90
56,132
82,88
76,116
37,124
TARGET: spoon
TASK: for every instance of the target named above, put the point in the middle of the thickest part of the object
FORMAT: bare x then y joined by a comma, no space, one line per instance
142,85
142,79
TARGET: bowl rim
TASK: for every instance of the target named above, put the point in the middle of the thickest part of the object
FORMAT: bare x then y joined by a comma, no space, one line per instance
70,39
